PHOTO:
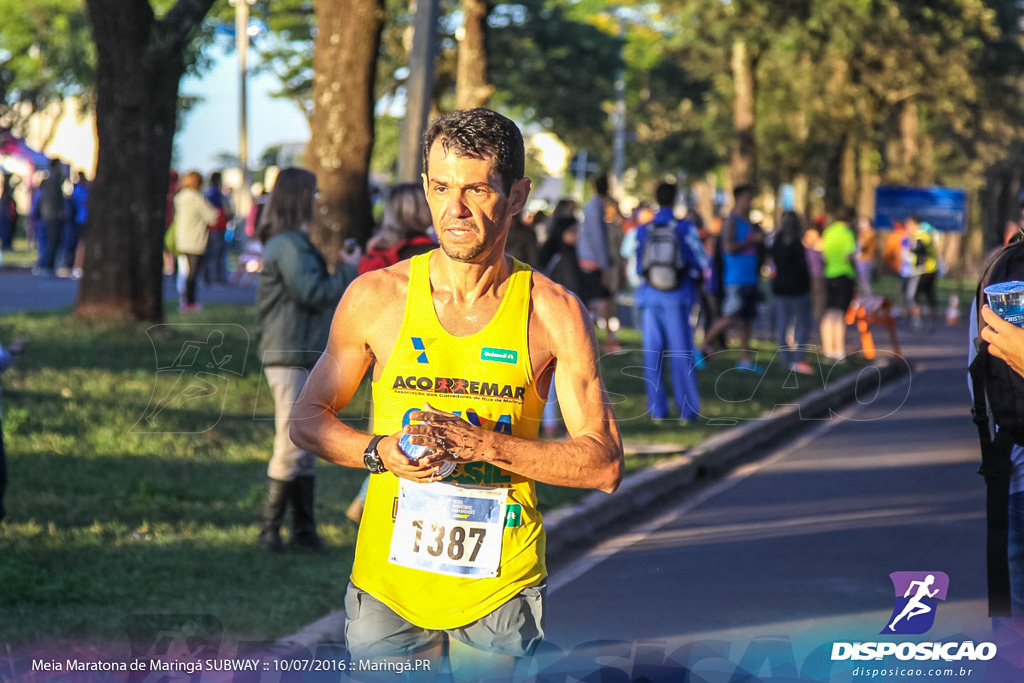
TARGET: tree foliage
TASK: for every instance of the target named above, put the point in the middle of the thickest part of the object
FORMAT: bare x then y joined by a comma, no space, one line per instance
46,55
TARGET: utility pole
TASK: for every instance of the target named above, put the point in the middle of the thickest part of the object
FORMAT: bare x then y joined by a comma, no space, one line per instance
619,119
242,45
418,90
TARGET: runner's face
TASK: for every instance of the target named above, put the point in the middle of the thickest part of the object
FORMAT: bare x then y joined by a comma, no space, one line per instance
470,210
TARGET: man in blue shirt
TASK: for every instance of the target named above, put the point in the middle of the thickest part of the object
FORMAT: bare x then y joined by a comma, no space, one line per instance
665,315
740,275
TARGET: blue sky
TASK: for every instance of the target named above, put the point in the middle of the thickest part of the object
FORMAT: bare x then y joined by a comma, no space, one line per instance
211,127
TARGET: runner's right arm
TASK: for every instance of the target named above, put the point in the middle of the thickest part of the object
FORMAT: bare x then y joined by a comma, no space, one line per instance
361,322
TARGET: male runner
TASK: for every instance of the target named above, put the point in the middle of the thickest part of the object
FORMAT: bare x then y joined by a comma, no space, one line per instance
462,341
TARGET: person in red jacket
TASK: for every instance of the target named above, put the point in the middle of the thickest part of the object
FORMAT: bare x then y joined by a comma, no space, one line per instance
405,229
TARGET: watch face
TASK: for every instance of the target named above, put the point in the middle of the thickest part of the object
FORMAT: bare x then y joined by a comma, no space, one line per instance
372,461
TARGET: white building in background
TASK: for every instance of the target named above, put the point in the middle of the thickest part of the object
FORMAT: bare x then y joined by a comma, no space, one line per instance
554,157
67,131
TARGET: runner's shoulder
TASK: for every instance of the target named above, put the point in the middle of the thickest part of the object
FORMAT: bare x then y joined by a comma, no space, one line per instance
383,287
553,303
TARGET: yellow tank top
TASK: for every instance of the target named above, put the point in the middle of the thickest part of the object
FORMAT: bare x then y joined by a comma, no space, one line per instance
487,379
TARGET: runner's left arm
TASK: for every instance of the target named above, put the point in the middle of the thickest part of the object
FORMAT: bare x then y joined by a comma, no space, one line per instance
592,457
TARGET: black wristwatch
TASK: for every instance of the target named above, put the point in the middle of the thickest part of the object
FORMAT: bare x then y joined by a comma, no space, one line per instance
371,458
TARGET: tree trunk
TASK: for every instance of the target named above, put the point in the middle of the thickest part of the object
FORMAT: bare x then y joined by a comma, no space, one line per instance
472,88
999,202
705,189
341,129
909,142
868,163
802,195
833,177
743,164
848,172
139,63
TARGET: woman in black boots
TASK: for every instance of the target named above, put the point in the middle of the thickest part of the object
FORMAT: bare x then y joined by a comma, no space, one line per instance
296,298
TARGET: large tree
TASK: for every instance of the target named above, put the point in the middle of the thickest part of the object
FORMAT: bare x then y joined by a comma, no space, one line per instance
472,85
344,68
139,65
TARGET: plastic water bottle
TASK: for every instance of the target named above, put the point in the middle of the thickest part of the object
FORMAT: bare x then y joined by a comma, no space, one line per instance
1007,300
415,451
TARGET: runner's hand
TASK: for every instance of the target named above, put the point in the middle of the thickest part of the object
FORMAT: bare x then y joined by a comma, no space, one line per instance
449,435
1006,340
395,461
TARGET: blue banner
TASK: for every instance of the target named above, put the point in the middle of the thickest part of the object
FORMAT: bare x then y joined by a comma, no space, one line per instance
943,207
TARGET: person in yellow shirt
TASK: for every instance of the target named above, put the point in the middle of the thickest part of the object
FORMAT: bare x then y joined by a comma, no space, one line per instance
924,255
839,249
464,343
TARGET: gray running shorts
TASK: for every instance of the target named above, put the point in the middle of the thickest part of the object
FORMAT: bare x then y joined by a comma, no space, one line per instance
373,630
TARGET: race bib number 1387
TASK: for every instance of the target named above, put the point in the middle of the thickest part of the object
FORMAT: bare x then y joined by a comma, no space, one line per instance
449,529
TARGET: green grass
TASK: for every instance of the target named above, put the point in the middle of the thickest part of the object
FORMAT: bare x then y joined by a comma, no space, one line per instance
21,256
111,515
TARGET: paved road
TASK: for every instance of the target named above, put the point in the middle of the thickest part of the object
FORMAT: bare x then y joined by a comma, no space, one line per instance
793,552
21,291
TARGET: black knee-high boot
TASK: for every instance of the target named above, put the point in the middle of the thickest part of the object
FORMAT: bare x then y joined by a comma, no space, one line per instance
303,522
274,504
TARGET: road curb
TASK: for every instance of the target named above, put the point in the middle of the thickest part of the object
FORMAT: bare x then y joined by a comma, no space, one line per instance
712,458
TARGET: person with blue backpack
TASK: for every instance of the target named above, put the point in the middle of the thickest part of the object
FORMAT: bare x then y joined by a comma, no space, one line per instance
671,262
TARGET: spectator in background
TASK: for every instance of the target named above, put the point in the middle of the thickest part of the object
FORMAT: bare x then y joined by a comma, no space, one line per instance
897,257
73,247
816,269
260,195
641,215
34,227
665,315
215,268
521,243
839,249
170,254
296,297
8,214
923,282
866,249
616,279
6,360
405,231
595,261
740,241
791,289
561,264
52,209
539,222
192,214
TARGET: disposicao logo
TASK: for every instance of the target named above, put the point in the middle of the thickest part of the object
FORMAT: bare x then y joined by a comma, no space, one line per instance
916,595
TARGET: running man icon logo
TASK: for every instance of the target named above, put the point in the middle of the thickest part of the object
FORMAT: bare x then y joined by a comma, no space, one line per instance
195,365
913,612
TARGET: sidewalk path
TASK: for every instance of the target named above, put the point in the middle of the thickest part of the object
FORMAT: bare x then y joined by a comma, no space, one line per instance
22,291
